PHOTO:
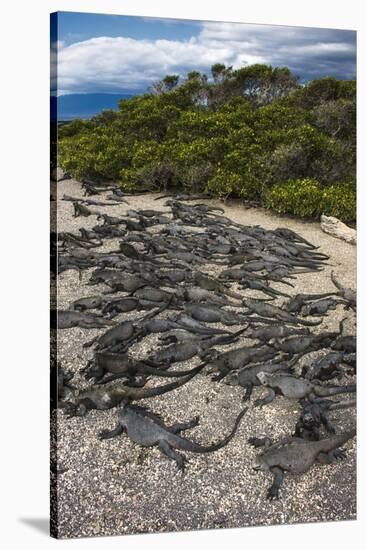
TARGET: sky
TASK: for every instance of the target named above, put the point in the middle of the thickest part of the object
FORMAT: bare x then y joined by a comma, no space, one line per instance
99,53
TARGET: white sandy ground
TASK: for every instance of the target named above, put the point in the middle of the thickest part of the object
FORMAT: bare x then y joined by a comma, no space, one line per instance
116,487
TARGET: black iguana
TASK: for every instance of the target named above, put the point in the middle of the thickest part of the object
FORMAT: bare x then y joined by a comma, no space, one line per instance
347,293
145,428
104,397
296,388
295,456
314,415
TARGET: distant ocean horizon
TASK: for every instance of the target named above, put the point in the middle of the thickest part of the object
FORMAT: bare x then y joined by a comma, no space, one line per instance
85,106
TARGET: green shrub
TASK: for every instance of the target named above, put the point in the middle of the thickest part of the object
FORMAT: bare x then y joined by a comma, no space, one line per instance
223,184
252,134
339,200
307,199
299,197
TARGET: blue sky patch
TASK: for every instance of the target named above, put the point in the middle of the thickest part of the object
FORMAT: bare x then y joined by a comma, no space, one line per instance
99,53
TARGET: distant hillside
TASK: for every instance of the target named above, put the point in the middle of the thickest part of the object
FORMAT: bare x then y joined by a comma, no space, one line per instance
87,105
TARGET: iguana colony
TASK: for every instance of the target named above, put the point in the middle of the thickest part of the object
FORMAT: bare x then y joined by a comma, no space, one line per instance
160,273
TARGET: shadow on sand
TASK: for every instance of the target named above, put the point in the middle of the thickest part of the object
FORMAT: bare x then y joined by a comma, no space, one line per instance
40,524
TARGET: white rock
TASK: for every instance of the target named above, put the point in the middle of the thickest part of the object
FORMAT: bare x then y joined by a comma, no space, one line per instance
338,229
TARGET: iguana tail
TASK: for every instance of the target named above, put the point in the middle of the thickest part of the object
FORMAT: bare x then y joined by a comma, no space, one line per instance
342,405
335,281
325,391
186,445
142,393
156,371
326,445
307,323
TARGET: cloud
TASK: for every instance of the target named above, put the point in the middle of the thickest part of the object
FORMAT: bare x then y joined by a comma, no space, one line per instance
116,64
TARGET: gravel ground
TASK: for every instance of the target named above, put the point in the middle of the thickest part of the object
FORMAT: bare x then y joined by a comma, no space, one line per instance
116,487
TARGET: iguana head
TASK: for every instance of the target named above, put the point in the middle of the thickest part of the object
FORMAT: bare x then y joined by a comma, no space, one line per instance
232,379
73,407
94,371
263,378
260,464
210,354
308,419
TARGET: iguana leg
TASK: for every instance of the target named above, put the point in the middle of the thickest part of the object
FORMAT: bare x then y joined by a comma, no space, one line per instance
75,410
138,382
327,423
169,452
248,392
220,375
90,343
332,456
278,476
267,399
106,379
260,442
180,427
327,391
106,434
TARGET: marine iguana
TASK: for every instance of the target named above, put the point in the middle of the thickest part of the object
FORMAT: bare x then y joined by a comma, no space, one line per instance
109,220
321,307
271,311
171,278
280,273
132,253
104,397
156,295
69,318
259,285
213,314
111,308
301,344
209,283
296,388
119,281
276,331
109,231
184,197
297,302
247,376
313,416
92,302
350,359
188,323
345,343
123,366
187,350
197,294
180,335
147,429
88,201
234,359
295,456
347,293
324,367
90,235
241,274
123,332
286,233
67,237
81,210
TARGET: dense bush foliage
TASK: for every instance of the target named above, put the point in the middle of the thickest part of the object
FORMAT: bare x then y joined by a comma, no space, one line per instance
254,133
306,198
